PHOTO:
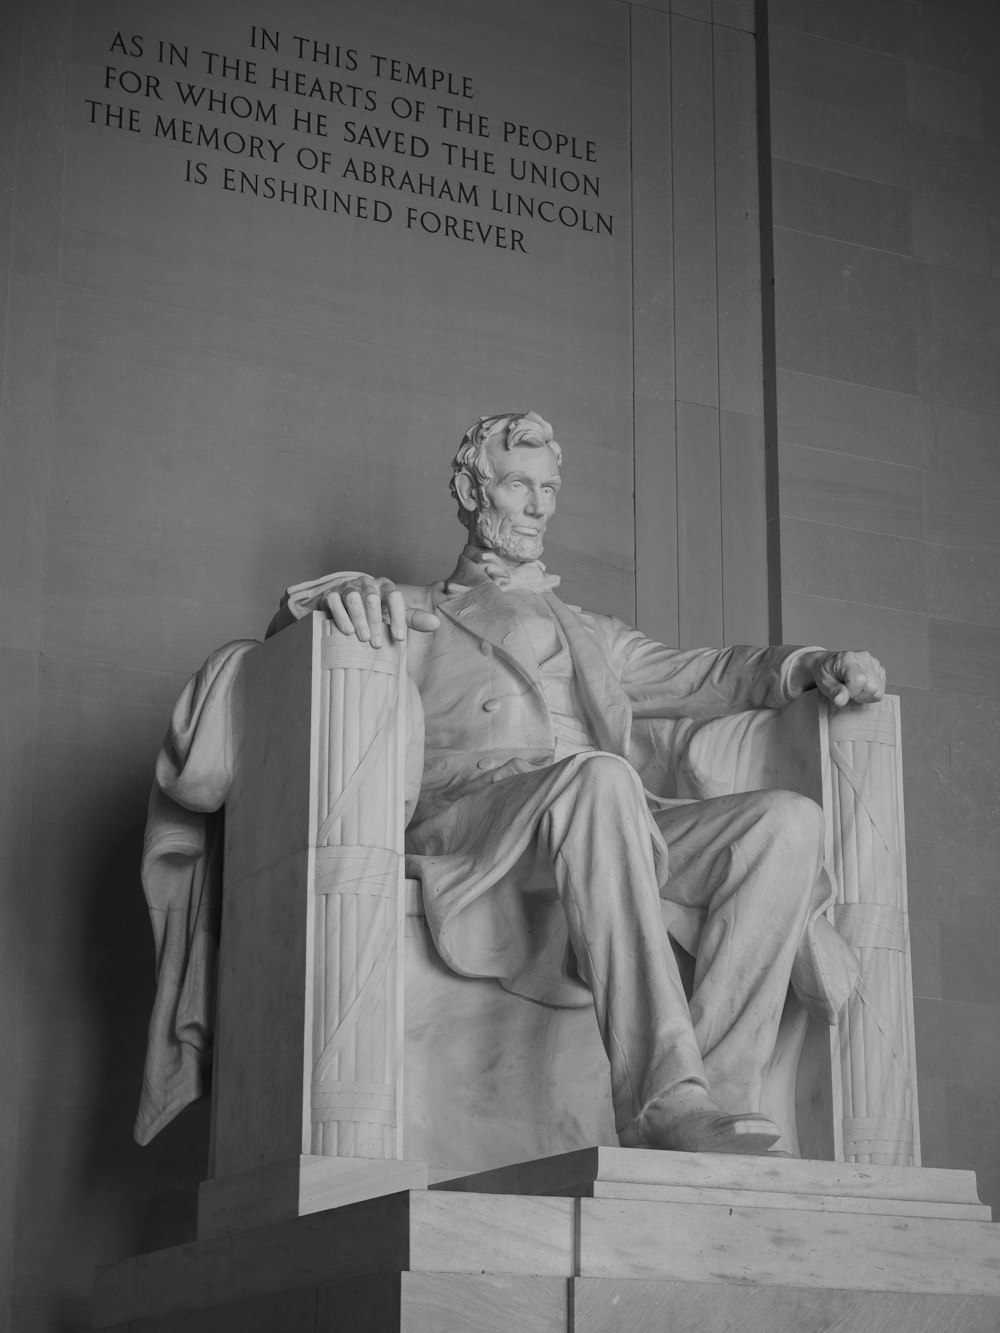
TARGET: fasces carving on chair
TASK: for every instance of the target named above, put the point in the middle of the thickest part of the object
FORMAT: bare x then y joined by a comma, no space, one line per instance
354,1107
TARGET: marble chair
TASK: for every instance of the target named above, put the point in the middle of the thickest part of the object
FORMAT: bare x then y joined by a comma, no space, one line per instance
350,1062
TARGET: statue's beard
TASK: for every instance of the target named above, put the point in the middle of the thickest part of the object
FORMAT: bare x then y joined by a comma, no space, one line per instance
494,534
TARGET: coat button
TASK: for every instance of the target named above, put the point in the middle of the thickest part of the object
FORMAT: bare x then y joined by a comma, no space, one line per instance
486,649
491,705
487,763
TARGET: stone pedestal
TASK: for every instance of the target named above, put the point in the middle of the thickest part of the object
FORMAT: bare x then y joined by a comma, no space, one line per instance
596,1241
317,1215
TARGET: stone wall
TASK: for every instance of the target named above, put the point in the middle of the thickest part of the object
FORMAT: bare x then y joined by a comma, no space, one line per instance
885,135
208,394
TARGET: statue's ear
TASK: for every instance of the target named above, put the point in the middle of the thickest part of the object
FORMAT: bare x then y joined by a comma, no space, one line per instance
465,489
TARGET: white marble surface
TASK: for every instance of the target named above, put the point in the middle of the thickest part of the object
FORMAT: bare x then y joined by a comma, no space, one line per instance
714,1178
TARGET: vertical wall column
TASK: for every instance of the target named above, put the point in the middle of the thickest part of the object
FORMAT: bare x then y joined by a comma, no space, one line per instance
701,522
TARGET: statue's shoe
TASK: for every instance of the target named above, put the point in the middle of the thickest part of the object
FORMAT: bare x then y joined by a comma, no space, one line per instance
691,1122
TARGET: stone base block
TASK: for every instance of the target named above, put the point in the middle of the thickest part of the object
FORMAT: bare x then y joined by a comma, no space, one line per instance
417,1231
487,1303
730,1180
417,1302
610,1305
626,1240
279,1191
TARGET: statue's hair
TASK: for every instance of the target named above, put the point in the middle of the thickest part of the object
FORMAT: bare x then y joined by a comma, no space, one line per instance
517,429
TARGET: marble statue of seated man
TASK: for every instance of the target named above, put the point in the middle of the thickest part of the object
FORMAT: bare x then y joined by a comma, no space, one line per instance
543,861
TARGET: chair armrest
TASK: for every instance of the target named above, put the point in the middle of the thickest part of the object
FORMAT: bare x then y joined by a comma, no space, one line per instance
765,748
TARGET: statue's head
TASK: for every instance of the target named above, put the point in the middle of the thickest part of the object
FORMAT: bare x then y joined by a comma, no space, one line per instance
505,477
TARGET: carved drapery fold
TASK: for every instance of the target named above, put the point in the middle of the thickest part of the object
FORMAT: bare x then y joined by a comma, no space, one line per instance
357,1024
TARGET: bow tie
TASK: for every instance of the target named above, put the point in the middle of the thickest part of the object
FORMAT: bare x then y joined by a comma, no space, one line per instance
529,577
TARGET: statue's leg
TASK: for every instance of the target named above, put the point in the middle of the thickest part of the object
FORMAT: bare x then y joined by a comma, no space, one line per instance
751,862
596,834
594,846
601,846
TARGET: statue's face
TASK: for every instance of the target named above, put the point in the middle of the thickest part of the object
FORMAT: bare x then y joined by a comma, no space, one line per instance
516,505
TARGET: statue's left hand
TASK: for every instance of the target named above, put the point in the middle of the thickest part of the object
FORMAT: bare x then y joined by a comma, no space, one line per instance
849,676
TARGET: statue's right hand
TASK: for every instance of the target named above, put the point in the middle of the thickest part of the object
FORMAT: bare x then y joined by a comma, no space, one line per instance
363,605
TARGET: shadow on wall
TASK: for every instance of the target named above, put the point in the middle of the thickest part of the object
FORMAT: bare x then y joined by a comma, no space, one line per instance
97,1195
152,1190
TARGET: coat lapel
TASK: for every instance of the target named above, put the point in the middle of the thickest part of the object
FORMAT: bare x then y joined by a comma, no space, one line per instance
473,601
479,607
601,694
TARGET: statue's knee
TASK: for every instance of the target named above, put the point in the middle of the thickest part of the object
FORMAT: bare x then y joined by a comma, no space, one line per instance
607,774
793,818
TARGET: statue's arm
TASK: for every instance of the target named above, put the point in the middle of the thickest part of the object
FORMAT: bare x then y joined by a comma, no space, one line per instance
709,682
